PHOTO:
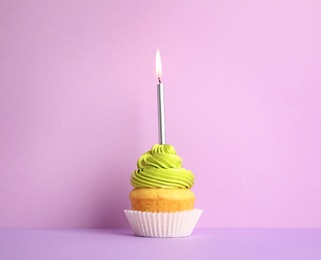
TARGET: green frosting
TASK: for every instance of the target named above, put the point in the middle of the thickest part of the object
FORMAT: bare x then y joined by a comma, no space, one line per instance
161,167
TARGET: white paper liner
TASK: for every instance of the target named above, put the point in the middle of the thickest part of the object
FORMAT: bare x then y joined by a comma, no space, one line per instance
174,224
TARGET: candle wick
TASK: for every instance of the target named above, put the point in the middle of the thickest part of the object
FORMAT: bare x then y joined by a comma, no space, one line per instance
159,80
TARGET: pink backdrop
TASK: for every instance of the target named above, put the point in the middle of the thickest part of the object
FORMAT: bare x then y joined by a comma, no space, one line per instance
78,107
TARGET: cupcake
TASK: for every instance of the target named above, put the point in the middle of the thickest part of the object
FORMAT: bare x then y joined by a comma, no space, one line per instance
162,202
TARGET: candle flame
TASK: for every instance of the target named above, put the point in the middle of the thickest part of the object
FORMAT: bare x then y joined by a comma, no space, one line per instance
158,65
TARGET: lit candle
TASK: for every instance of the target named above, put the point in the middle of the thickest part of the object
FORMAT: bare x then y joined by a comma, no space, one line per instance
160,98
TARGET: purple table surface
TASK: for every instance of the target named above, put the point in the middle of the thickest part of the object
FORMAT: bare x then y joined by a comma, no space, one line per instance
213,243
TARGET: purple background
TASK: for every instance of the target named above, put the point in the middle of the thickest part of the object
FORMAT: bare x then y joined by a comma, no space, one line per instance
78,107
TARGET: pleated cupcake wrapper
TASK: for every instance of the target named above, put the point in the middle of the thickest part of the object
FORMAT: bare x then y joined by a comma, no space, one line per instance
174,224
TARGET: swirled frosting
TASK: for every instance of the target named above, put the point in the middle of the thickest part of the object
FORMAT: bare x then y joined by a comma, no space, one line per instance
161,167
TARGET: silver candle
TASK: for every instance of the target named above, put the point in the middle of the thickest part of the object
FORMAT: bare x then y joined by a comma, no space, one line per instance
160,99
161,112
